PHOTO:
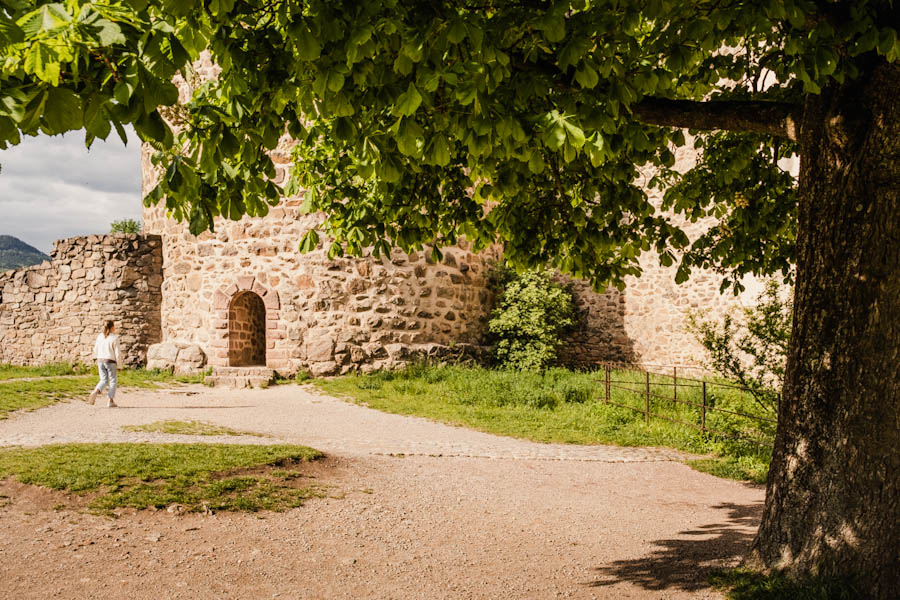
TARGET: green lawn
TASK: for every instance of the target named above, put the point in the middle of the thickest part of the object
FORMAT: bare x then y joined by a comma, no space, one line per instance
197,476
54,370
20,391
743,584
567,407
189,428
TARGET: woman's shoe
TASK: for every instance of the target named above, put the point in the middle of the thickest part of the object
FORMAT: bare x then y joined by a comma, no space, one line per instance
92,398
112,404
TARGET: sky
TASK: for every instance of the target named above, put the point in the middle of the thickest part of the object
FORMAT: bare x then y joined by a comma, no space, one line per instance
53,187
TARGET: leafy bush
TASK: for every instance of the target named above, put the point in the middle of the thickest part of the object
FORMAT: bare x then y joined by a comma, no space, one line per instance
751,349
125,226
532,313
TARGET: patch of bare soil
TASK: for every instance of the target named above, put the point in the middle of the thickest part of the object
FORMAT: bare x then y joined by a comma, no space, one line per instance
414,527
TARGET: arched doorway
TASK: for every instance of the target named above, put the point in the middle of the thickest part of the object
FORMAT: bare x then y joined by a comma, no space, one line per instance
247,330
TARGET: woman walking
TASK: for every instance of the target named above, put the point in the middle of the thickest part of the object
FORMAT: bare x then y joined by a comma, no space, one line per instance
106,349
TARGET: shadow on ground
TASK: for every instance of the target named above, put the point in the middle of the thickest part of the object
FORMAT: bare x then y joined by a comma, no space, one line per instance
686,562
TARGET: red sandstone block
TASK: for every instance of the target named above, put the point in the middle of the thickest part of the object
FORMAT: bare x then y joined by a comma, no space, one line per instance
245,282
270,344
259,288
220,301
271,324
271,300
276,354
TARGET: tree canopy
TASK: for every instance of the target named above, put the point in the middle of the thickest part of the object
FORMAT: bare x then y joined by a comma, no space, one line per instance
543,124
525,122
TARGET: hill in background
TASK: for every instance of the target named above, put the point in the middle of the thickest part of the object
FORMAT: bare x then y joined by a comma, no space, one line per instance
15,253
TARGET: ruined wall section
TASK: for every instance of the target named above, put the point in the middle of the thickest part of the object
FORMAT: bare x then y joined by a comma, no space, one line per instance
327,316
646,323
52,312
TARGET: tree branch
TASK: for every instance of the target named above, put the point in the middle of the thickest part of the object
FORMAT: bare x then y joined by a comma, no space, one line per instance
774,118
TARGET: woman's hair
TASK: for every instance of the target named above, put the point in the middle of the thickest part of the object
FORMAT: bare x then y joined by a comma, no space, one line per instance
108,327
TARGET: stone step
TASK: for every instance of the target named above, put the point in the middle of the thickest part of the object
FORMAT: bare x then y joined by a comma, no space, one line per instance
240,377
255,371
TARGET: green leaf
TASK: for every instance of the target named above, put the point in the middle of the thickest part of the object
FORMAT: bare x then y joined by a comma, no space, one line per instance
45,19
335,81
44,62
407,102
439,153
409,138
309,242
587,77
307,45
62,112
554,27
536,162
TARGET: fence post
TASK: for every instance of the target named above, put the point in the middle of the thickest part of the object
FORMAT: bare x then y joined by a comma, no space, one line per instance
703,410
606,369
647,400
674,386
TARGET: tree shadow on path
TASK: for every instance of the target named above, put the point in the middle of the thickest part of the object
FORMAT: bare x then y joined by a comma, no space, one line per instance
685,563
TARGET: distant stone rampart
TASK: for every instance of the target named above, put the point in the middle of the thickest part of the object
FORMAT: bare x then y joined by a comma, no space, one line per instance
52,312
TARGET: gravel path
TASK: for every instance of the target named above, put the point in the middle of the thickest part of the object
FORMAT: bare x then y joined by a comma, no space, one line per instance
420,510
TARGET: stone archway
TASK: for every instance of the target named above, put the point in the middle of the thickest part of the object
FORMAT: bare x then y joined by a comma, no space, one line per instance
241,311
246,330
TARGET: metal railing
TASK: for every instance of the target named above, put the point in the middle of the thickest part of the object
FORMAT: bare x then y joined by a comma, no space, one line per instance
703,390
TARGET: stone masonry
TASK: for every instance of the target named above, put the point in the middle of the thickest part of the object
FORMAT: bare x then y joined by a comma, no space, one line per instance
228,291
53,312
334,316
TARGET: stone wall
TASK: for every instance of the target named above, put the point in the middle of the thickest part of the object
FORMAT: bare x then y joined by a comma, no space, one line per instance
327,316
333,316
645,323
52,312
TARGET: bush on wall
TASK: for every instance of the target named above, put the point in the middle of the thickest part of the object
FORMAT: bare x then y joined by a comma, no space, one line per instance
533,311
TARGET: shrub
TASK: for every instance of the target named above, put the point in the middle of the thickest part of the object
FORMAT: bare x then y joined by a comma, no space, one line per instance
532,313
751,348
125,226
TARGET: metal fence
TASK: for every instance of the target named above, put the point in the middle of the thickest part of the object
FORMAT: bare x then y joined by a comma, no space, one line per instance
695,393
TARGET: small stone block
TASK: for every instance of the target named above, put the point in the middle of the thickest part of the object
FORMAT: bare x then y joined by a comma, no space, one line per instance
220,301
245,282
259,289
271,300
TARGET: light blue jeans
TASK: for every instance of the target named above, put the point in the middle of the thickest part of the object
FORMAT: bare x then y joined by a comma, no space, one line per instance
108,376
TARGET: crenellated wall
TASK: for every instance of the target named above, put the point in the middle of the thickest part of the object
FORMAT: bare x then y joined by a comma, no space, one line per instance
52,312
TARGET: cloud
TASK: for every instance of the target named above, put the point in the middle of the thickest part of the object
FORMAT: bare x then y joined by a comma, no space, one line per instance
53,187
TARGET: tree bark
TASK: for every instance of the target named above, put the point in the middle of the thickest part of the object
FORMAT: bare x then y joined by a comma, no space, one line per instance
833,493
773,118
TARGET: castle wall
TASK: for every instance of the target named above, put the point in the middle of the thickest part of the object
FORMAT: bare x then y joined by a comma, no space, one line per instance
646,323
327,316
333,316
52,312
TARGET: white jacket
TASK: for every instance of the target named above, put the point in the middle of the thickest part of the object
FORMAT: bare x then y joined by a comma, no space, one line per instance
107,348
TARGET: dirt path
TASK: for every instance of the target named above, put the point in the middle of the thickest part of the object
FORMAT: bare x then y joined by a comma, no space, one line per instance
461,515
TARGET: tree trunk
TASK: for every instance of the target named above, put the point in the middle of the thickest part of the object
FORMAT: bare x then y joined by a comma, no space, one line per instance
833,494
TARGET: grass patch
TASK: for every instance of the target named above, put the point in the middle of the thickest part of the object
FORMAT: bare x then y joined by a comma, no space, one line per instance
54,370
744,584
30,394
197,476
565,407
189,428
